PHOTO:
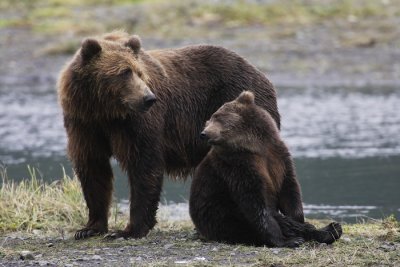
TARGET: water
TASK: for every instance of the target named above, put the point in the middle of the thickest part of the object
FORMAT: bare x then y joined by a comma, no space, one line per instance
344,141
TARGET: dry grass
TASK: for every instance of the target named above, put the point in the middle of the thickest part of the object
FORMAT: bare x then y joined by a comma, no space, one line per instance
35,205
83,16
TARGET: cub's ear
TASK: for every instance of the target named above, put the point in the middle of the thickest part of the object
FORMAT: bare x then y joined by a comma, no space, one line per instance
90,48
134,43
246,97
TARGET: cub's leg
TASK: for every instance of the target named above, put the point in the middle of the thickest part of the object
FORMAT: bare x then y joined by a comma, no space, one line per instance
290,200
292,228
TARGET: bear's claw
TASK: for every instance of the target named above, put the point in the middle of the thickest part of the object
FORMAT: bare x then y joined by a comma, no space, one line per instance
86,233
119,234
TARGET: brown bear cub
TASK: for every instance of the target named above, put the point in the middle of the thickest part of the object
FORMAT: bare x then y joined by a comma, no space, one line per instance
145,109
245,190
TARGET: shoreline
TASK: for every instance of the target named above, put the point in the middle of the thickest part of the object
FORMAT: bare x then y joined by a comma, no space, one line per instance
175,243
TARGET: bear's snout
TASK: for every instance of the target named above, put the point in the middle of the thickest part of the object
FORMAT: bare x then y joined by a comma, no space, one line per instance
149,100
203,136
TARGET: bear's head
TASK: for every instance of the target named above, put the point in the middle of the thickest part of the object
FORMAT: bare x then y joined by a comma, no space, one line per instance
106,79
240,125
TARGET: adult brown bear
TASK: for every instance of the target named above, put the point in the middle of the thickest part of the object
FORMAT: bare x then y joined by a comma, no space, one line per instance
244,189
108,93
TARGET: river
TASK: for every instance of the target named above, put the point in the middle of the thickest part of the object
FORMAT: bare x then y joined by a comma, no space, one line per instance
345,142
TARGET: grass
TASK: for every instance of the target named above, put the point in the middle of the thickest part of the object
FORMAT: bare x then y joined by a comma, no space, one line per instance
35,205
364,244
56,16
35,210
299,12
61,25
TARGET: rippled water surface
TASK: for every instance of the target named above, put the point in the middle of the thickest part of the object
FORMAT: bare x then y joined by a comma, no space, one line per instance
345,143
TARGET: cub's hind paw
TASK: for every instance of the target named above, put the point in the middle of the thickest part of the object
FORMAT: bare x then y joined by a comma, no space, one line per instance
330,233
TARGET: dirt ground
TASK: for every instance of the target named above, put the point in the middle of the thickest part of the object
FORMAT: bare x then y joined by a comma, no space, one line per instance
176,244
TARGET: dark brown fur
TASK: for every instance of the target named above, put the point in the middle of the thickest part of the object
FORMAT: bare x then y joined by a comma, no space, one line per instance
103,93
245,190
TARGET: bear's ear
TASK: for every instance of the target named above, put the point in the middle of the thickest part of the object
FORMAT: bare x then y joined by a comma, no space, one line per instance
90,48
134,43
246,97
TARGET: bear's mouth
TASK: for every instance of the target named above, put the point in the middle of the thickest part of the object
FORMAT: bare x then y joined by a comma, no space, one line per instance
144,109
214,142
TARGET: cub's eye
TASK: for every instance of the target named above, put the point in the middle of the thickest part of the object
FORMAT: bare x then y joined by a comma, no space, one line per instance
126,73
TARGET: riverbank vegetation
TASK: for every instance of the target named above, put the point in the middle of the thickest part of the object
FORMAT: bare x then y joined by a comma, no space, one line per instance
35,205
34,214
58,17
301,41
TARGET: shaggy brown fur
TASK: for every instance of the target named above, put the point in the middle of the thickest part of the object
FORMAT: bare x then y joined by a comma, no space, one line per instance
107,94
245,190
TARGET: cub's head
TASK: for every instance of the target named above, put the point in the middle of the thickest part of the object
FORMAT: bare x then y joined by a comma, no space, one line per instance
240,125
106,79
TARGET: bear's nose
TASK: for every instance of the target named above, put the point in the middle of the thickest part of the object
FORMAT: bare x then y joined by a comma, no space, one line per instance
203,136
149,100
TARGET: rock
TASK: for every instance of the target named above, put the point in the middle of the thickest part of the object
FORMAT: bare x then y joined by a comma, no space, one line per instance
275,250
387,247
97,257
44,263
346,239
50,245
134,261
182,262
37,232
26,255
82,259
168,246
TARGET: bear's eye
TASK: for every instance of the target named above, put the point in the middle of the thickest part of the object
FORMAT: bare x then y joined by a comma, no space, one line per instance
217,116
126,73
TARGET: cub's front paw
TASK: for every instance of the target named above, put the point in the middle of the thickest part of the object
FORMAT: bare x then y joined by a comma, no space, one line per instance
294,242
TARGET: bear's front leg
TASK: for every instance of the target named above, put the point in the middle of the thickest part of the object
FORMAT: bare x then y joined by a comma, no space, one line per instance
290,200
145,172
96,179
